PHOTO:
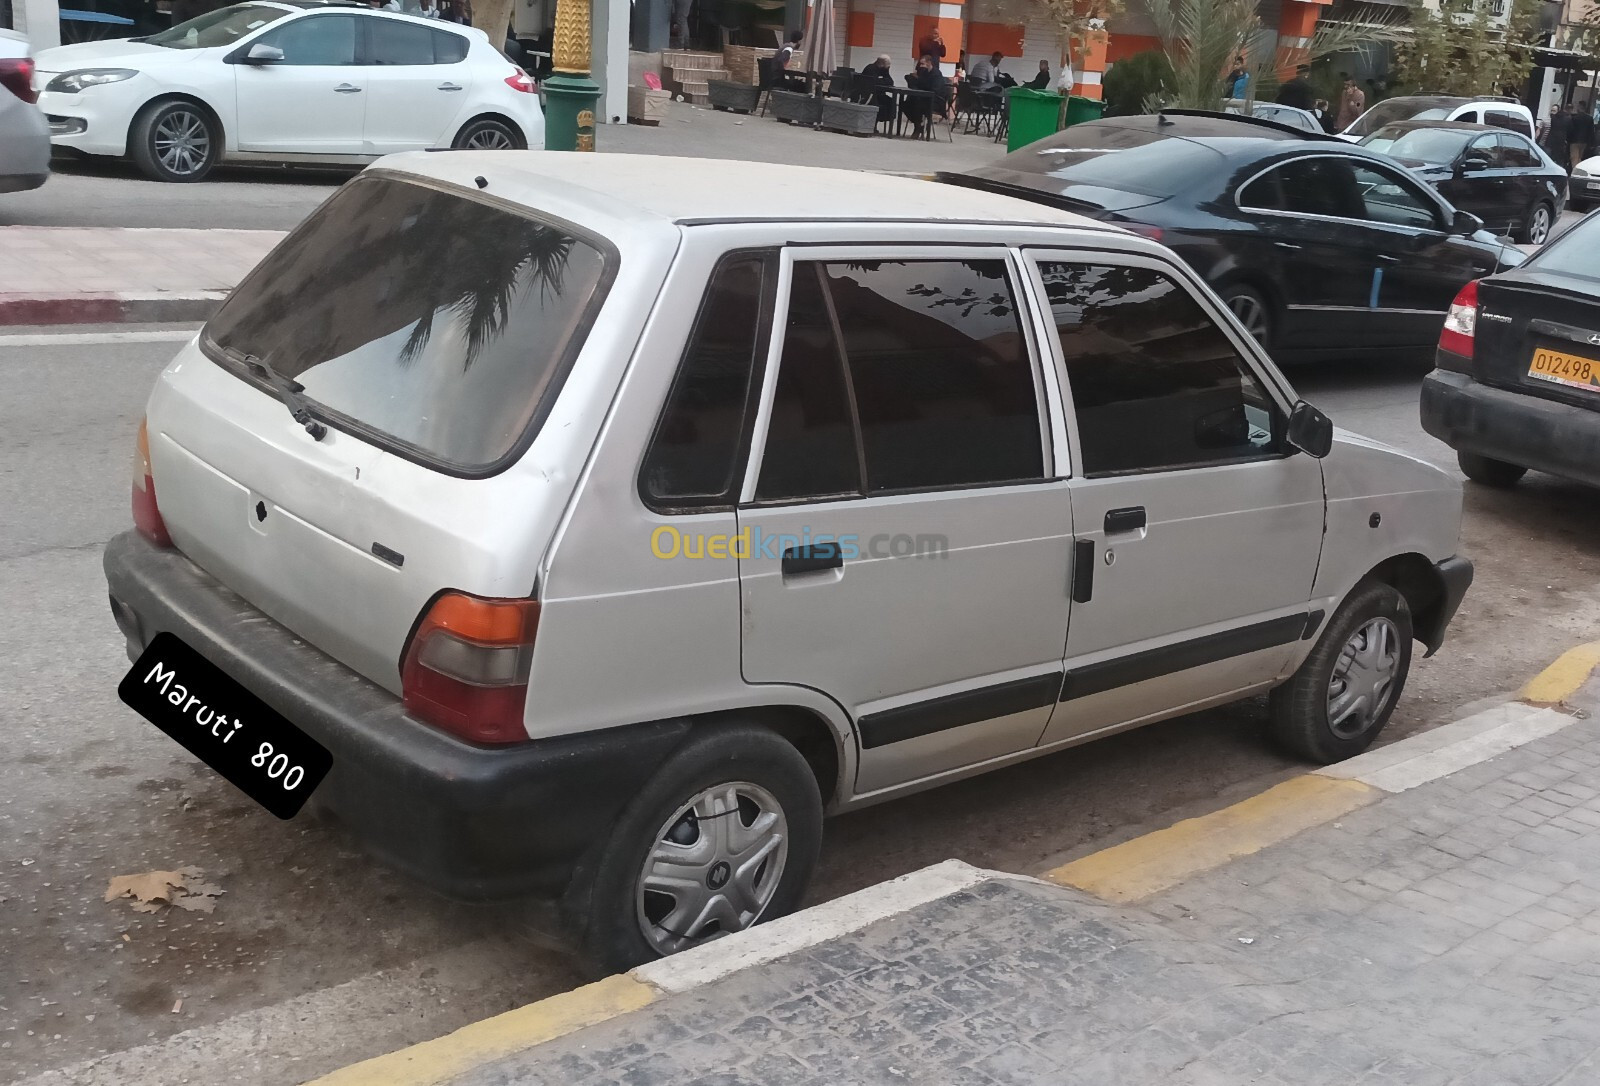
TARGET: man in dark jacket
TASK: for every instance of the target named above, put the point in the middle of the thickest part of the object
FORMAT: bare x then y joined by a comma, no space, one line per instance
876,75
1297,92
927,77
1555,140
1580,135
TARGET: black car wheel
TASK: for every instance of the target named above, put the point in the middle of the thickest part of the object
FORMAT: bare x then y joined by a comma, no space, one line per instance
1253,312
488,134
1495,473
175,141
1580,206
1536,227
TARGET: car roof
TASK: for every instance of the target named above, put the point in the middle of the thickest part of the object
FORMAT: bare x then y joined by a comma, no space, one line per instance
688,191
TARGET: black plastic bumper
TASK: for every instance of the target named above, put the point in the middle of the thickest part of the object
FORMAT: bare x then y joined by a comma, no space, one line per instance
473,823
1455,577
1529,431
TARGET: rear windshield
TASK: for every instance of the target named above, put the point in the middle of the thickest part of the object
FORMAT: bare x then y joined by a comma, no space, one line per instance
1576,252
1396,109
1432,145
424,319
1128,159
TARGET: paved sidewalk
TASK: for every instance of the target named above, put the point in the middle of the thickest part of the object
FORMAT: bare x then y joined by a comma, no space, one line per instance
1446,934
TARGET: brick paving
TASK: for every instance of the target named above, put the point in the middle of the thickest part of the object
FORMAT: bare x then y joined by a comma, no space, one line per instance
1446,935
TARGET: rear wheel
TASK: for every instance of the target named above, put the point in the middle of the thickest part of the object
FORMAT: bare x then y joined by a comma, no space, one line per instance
1536,226
175,141
1482,469
1253,312
488,134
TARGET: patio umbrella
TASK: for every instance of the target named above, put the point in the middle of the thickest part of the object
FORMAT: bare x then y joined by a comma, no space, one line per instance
818,42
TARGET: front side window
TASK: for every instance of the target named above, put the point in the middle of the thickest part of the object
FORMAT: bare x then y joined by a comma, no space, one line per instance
1518,153
1337,187
938,384
693,459
1486,148
1156,384
420,318
326,40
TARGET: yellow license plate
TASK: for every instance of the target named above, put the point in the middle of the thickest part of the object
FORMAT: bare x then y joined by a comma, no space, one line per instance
1565,369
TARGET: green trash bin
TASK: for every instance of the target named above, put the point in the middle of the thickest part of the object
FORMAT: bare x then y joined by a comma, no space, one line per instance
1031,115
1081,109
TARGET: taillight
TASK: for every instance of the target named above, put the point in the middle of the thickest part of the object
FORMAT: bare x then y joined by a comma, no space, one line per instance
146,515
1461,322
466,669
520,80
16,75
1154,233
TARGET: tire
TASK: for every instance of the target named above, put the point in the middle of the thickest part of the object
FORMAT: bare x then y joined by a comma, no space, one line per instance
1335,705
1495,473
488,134
1253,312
620,924
1537,225
175,141
1580,206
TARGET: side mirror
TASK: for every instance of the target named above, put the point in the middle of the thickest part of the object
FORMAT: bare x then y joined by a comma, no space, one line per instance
1310,430
1465,223
1472,164
262,53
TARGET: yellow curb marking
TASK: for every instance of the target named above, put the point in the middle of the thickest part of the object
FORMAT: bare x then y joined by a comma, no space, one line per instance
1146,865
1558,682
439,1060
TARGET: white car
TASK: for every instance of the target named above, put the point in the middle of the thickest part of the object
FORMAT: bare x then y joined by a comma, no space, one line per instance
24,142
1293,116
1507,113
286,81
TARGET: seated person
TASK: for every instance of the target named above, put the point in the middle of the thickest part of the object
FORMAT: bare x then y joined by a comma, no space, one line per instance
985,73
1042,80
876,74
929,78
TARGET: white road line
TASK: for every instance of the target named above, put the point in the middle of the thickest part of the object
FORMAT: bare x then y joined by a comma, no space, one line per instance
89,339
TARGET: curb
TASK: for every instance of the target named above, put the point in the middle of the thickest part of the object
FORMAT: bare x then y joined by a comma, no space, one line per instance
112,307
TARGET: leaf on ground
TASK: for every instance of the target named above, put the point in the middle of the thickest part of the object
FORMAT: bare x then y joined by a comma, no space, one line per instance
149,886
153,891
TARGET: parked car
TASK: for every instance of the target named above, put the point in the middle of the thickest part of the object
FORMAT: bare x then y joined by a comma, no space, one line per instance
24,138
606,528
297,82
1502,177
1507,113
1517,383
1293,116
1321,248
1584,190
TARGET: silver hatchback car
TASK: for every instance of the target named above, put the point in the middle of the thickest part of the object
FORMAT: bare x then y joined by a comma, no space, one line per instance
590,526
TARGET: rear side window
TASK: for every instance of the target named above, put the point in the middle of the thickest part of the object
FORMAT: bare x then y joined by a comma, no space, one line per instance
694,456
448,48
1514,122
394,42
1156,385
902,376
1518,153
431,322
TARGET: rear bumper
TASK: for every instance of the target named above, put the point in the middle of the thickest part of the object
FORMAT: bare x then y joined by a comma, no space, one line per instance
1520,429
473,823
1455,577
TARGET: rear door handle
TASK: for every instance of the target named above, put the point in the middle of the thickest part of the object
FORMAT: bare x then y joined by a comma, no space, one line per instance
1125,520
1388,259
1286,245
346,88
812,558
449,86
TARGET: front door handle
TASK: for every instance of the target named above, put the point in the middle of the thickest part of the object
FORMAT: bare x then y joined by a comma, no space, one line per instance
812,558
1126,520
1286,245
449,86
346,88
1388,259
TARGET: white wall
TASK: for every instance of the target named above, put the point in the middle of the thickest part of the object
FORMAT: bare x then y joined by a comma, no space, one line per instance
608,60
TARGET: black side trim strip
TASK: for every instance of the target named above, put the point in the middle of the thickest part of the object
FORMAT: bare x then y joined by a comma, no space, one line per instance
1082,570
1313,621
1151,663
955,710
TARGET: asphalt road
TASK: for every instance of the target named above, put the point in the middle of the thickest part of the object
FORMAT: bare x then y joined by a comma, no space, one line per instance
316,956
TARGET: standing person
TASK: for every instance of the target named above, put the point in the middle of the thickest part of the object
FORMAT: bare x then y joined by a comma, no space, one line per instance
876,74
932,45
1319,110
1297,92
1042,80
1238,79
780,63
927,77
1580,135
1555,140
1352,104
1542,133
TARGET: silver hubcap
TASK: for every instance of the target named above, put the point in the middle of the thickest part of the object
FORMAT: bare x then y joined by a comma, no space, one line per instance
1252,315
713,867
1363,680
1541,226
489,139
181,142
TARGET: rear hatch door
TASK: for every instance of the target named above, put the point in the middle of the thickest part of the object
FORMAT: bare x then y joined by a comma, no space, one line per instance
1538,332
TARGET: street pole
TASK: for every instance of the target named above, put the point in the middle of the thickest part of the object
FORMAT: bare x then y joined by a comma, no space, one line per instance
569,93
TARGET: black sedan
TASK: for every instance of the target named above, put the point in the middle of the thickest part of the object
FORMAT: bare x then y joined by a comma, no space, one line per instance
1501,177
1517,383
1320,247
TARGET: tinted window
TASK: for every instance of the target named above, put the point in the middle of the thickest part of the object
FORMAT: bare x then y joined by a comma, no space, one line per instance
1389,199
448,48
694,456
1396,109
1486,147
394,42
1338,187
942,378
811,444
1156,385
325,39
421,317
1514,122
1128,159
1575,252
1434,145
1518,153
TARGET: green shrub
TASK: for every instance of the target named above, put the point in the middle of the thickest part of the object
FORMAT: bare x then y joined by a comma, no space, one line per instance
1132,81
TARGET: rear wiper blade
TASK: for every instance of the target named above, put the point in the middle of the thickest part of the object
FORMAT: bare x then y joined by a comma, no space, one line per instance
287,388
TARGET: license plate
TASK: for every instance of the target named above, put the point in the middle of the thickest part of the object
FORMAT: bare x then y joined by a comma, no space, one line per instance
1570,370
225,726
1591,184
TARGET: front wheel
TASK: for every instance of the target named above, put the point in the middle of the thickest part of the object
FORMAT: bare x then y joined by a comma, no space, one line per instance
1335,705
488,134
175,141
1536,227
1252,310
723,837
